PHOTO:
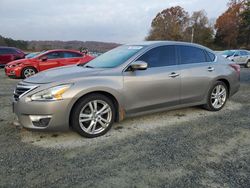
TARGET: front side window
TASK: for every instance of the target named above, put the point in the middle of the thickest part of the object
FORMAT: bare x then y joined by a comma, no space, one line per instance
54,55
160,56
190,54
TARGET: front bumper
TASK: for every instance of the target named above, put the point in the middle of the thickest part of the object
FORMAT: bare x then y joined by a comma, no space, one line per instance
13,72
49,115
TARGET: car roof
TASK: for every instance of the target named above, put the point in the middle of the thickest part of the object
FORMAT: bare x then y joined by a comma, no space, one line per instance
8,47
156,43
63,50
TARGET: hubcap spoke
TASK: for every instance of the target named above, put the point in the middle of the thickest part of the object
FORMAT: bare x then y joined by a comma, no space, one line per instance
95,117
218,96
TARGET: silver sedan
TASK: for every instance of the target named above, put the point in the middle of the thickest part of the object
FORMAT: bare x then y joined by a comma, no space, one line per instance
127,81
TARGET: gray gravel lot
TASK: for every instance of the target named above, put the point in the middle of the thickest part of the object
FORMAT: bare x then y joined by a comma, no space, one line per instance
182,148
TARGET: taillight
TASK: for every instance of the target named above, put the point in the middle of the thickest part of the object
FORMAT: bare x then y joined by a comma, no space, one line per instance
236,68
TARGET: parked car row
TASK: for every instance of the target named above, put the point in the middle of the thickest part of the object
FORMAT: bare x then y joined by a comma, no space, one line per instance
241,57
127,81
17,66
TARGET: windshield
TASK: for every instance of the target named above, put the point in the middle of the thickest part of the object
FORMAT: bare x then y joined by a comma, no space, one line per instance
115,57
32,55
228,53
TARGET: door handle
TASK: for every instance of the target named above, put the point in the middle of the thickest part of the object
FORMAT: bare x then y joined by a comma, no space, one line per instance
173,75
210,69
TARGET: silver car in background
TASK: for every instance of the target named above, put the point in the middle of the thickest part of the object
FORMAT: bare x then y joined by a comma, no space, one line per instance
241,57
127,81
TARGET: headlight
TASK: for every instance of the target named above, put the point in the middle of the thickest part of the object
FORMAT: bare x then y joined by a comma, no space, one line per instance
51,94
15,65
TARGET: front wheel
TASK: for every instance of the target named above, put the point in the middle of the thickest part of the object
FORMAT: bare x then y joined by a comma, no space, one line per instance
93,116
217,96
28,71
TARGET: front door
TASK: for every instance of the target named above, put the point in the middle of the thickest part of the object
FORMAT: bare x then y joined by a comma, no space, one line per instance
50,60
154,88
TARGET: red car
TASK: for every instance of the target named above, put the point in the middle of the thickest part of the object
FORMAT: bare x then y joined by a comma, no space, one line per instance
50,59
8,54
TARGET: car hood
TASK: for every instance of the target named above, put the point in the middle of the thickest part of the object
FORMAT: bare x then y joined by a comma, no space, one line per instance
62,74
16,62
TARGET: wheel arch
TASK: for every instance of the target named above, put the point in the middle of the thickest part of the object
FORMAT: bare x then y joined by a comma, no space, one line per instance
227,84
29,66
119,114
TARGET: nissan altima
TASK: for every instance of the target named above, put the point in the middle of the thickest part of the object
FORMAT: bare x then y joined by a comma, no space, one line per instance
127,81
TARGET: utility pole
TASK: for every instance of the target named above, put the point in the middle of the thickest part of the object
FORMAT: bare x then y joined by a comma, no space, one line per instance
192,36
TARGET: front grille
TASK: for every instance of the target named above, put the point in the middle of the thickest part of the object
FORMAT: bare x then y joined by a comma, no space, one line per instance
22,89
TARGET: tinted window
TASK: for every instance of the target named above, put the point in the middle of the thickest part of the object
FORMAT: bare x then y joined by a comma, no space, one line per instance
211,56
8,51
243,53
190,54
71,55
55,55
160,56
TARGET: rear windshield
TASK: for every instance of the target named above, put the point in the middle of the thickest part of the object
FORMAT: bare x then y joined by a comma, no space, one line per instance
115,57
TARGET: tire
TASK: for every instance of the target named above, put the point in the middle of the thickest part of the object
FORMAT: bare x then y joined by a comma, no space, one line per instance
248,64
27,72
221,96
90,120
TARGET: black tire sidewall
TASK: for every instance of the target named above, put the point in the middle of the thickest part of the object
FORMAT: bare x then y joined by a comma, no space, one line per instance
248,64
74,118
209,103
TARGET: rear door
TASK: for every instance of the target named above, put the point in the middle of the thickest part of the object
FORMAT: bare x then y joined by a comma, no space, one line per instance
197,71
53,60
71,58
156,87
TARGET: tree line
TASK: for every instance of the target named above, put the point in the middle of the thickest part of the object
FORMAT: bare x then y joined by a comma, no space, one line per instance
230,30
48,45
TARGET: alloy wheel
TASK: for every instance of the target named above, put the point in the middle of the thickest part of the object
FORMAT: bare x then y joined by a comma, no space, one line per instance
28,72
95,117
218,96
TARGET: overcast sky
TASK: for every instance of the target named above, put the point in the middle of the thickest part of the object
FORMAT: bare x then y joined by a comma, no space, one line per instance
119,21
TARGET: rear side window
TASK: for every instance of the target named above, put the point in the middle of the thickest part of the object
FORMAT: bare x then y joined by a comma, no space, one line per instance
71,55
160,56
243,53
190,54
211,56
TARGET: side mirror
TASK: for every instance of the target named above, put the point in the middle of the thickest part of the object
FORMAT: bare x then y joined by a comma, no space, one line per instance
138,65
44,58
236,55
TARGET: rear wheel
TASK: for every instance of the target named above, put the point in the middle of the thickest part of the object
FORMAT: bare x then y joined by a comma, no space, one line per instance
93,116
217,96
28,71
248,64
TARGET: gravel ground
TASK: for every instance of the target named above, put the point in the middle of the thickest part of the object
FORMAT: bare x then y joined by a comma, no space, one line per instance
190,147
